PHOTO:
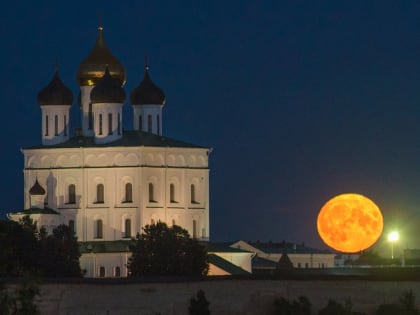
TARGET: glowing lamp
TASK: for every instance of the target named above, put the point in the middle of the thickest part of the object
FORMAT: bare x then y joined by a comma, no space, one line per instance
350,223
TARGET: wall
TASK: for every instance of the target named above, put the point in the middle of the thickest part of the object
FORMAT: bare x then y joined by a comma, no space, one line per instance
226,297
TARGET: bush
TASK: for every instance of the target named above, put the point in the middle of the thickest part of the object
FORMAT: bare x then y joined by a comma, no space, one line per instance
199,305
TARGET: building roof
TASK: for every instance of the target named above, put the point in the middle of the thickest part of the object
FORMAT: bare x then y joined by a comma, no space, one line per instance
287,247
226,265
92,68
263,263
55,93
104,247
107,90
147,92
37,189
223,247
132,138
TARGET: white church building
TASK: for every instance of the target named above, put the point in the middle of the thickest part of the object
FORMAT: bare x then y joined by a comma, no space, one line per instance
105,182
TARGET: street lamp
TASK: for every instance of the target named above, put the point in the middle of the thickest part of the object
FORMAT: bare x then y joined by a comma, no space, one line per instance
392,238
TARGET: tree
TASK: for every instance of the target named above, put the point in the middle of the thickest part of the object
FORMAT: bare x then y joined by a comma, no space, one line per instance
300,306
166,251
25,249
60,253
18,248
199,305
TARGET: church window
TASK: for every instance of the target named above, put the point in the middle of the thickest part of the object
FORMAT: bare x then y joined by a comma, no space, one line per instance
140,123
72,194
173,222
172,193
46,125
98,229
90,117
100,124
100,193
194,229
151,193
101,271
149,123
127,228
158,124
193,196
119,124
65,125
56,125
71,226
109,124
128,192
117,271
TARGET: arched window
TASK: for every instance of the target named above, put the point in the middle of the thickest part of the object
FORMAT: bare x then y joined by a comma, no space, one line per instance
98,229
151,193
109,124
149,123
127,228
90,117
100,124
56,125
119,124
65,125
158,124
46,125
100,193
101,271
194,229
71,226
193,196
172,193
128,192
72,194
117,271
140,123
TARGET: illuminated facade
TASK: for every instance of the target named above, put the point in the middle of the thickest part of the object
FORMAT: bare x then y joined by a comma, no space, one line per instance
105,182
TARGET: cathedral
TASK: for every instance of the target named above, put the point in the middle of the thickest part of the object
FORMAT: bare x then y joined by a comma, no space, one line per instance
106,182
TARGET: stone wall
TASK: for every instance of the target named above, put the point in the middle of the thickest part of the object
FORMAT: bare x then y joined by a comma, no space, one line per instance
226,297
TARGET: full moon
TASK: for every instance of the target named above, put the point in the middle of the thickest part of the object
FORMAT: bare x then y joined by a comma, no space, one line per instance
350,223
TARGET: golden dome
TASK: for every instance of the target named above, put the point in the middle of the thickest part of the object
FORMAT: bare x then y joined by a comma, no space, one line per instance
92,68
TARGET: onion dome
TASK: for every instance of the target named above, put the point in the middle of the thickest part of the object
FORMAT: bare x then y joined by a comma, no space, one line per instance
147,92
93,66
55,93
107,90
37,189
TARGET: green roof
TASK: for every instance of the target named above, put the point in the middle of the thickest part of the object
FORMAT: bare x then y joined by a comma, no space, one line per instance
132,138
104,247
226,265
46,210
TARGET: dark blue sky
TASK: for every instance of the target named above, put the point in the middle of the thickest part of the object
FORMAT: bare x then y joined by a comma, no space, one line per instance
301,100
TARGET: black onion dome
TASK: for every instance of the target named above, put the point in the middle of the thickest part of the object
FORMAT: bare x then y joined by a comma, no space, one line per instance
37,189
93,66
107,90
147,92
55,93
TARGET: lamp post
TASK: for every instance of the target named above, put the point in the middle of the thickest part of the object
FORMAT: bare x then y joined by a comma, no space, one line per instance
392,238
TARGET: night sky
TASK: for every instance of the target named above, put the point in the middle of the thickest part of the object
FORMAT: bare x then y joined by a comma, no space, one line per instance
300,100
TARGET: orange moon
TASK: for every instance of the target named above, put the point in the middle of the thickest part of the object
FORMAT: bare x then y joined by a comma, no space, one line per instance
350,223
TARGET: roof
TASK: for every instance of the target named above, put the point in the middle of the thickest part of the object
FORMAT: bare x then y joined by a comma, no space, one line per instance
37,189
263,263
226,265
287,247
132,138
223,248
147,92
104,247
55,93
46,210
